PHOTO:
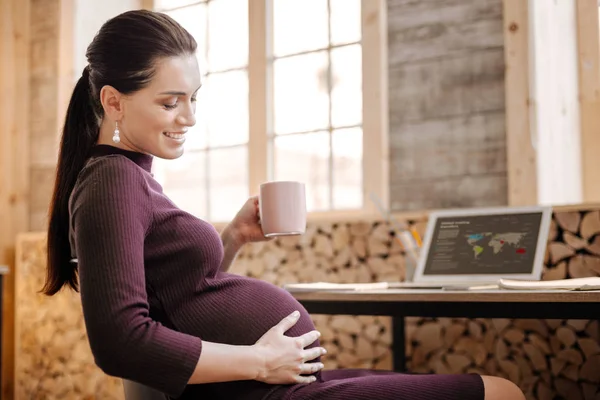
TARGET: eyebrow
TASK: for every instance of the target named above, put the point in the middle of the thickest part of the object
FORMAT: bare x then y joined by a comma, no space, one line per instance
178,93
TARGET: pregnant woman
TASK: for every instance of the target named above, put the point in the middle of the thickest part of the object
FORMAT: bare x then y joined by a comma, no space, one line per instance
160,307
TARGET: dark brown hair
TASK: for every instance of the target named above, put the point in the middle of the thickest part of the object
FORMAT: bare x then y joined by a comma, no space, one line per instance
123,55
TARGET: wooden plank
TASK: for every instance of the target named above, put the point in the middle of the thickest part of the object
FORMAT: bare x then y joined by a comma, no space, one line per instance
50,62
375,100
52,79
446,87
65,63
446,102
464,145
588,44
42,184
14,159
147,4
449,192
555,106
428,28
521,156
260,90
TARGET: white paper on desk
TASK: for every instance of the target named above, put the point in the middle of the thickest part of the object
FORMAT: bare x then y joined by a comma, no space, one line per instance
328,286
590,283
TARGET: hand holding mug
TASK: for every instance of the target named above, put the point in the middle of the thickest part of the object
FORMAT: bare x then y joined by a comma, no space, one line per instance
246,226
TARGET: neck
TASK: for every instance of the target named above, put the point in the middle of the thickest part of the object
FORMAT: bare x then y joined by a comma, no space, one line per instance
107,131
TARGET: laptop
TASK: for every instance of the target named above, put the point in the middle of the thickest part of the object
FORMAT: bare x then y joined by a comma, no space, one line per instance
466,248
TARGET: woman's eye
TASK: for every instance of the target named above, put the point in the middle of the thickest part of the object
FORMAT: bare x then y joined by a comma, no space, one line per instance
170,106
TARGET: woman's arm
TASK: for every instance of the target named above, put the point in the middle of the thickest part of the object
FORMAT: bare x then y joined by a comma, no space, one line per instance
244,228
275,358
232,243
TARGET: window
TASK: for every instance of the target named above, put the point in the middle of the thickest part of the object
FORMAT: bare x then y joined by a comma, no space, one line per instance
317,100
282,100
211,179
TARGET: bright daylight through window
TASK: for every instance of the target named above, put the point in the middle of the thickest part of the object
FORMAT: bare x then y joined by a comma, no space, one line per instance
314,110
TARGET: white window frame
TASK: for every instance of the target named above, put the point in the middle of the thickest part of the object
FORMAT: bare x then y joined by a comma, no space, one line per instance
374,91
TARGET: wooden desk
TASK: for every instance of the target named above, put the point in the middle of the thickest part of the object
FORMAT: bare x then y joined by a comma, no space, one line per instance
400,303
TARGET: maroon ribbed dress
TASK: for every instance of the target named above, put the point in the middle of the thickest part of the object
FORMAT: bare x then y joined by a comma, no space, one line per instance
151,291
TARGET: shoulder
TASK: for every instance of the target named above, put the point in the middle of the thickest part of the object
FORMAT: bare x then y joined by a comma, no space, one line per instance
111,168
111,180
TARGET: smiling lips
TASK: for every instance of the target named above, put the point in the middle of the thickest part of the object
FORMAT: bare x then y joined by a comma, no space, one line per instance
176,136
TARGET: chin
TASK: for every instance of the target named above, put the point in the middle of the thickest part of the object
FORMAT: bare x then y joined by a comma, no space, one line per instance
171,154
170,150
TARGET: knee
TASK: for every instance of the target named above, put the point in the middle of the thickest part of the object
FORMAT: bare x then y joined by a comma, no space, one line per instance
501,389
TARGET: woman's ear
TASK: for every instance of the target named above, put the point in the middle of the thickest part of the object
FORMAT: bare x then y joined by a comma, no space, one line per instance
112,102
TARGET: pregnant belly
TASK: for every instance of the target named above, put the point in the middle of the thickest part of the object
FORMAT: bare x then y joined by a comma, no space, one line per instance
238,310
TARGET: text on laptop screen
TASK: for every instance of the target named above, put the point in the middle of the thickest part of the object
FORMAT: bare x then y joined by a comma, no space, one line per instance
483,244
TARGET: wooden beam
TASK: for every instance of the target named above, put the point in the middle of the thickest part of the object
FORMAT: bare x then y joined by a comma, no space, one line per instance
66,64
14,161
555,93
147,4
588,44
261,91
521,155
376,156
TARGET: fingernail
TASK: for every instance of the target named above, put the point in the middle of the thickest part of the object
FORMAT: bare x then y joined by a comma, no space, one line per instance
324,351
318,334
296,314
321,365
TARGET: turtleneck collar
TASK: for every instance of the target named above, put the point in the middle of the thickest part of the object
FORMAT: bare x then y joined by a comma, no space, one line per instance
141,159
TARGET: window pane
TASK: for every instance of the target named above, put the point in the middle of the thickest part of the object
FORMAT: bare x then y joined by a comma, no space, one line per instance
346,96
228,178
345,21
301,99
170,4
227,34
299,25
347,168
305,158
184,181
225,107
193,19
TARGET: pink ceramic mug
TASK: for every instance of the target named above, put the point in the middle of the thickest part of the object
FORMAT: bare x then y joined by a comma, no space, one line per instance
282,208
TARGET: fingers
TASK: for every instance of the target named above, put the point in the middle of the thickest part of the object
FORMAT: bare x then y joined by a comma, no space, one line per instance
310,368
307,338
285,324
305,379
306,370
313,353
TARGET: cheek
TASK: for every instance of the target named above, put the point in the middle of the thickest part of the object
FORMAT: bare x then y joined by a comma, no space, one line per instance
154,119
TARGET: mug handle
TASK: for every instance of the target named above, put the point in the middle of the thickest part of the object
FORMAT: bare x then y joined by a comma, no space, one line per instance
258,212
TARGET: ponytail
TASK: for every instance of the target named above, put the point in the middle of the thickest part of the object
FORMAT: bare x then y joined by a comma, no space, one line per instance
80,133
123,54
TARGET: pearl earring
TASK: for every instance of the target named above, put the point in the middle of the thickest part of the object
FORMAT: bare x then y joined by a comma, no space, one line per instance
116,137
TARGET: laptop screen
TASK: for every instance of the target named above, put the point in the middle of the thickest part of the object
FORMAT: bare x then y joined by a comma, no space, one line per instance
484,244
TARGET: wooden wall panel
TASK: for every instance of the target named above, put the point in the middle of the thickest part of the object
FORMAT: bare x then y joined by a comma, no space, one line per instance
14,158
420,30
45,102
446,104
589,96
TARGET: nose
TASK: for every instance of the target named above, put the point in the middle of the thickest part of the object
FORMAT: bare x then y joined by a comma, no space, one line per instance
187,116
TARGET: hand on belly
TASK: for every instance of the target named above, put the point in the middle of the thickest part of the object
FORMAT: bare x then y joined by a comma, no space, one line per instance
285,359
